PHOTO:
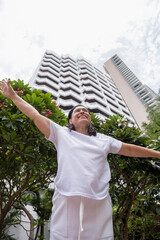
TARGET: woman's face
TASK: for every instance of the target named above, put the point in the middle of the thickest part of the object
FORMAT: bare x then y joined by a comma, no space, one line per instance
80,117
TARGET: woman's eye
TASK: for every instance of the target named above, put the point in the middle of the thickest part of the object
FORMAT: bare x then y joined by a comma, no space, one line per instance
76,111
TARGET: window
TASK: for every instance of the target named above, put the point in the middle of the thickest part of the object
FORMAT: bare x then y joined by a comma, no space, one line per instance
118,97
68,65
113,86
68,89
112,104
47,71
87,78
109,96
46,84
45,76
106,89
68,58
90,71
51,54
51,62
126,112
122,104
92,92
69,81
52,59
65,107
89,84
113,111
114,91
44,65
70,76
99,111
146,99
83,73
141,93
69,97
136,86
68,70
95,101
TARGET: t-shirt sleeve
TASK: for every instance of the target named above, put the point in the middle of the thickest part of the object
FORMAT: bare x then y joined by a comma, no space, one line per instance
115,145
54,129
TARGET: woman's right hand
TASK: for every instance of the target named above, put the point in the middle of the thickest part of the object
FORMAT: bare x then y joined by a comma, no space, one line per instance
7,90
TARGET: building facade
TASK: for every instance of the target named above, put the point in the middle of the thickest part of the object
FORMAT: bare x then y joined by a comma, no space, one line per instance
136,95
76,81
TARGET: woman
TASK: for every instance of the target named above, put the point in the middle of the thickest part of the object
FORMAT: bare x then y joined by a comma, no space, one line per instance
81,203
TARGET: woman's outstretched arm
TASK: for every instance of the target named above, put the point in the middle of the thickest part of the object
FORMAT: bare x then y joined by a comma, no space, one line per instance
40,121
132,150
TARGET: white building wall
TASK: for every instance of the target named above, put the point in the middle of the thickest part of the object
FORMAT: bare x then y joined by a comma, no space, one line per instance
19,232
75,81
143,92
136,95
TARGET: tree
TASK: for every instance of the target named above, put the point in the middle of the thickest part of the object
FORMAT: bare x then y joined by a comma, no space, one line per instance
28,164
152,128
13,218
132,178
27,159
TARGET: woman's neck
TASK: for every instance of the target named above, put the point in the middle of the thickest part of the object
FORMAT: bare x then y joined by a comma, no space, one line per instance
82,130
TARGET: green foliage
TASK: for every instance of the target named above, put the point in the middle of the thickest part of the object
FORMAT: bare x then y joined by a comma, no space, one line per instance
27,160
144,219
28,165
153,127
135,183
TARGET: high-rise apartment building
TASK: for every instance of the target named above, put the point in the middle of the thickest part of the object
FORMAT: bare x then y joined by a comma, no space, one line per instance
75,81
136,95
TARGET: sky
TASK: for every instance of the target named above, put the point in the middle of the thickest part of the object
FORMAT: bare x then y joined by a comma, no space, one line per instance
93,29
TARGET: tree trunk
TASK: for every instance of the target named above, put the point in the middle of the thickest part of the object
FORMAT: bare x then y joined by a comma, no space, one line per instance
42,230
37,233
31,219
11,200
125,217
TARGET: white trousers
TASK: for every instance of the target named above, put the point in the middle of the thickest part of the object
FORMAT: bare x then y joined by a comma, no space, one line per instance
80,218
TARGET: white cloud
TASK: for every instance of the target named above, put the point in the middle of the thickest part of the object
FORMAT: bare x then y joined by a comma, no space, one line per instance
94,29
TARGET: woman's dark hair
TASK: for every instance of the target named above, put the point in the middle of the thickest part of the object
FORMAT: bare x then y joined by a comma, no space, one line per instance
91,130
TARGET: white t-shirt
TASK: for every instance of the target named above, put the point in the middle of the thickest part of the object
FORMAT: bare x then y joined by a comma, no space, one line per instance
83,169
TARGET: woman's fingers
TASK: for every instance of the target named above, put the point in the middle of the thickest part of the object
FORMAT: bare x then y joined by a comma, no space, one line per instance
8,83
1,83
4,86
4,82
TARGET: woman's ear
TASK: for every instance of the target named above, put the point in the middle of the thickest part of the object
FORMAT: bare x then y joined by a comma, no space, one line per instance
70,121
